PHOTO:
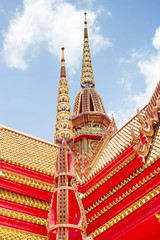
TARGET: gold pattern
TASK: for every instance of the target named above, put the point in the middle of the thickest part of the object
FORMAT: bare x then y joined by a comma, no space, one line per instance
64,124
152,157
22,216
27,181
95,156
7,233
87,78
146,127
77,194
114,146
122,184
63,183
24,200
108,176
124,195
28,152
126,212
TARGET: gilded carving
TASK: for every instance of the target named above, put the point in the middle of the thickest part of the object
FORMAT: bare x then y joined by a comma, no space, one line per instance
64,124
126,212
7,233
24,200
147,121
27,181
22,216
124,195
108,176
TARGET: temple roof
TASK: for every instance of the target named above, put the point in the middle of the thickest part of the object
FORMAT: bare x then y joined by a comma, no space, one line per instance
88,100
113,146
12,234
27,151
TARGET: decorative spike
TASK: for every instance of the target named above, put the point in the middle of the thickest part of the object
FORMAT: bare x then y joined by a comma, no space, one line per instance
85,26
87,78
64,124
63,70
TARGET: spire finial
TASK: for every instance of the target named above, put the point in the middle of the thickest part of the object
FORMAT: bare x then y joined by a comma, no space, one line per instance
63,70
87,78
85,26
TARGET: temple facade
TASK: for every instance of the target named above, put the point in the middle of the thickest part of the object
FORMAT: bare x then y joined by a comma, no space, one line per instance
93,182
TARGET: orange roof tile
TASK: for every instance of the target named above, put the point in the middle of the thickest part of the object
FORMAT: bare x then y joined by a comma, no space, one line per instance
26,151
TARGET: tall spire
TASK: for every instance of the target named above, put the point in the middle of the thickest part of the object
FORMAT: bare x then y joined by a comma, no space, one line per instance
64,123
87,78
66,219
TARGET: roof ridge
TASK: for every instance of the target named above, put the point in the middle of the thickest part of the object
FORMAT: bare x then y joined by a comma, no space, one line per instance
128,122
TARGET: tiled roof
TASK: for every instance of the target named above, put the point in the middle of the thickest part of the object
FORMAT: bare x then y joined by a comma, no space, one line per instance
24,200
154,152
118,143
27,151
122,139
13,234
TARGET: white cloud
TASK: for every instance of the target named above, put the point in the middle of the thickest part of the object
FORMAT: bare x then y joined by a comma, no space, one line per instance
134,56
55,22
149,68
126,83
108,13
156,39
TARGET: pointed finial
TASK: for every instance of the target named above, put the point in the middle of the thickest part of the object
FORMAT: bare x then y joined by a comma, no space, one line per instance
85,26
87,78
63,70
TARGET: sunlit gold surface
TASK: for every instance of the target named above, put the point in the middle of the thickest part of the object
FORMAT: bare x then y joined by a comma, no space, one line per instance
64,124
27,181
7,233
28,152
87,78
22,216
126,194
108,176
24,200
119,142
126,212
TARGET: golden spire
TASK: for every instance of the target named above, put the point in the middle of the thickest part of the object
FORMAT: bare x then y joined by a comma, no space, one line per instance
63,117
87,78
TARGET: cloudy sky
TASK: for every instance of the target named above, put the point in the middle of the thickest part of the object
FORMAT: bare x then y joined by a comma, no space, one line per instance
124,40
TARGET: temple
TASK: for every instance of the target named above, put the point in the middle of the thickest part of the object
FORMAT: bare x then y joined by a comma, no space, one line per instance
93,182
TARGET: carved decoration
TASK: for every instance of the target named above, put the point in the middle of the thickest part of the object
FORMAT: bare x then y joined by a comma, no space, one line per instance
136,205
147,121
84,220
84,162
64,124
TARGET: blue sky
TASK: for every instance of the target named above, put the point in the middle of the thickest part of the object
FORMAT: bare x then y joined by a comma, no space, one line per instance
124,40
